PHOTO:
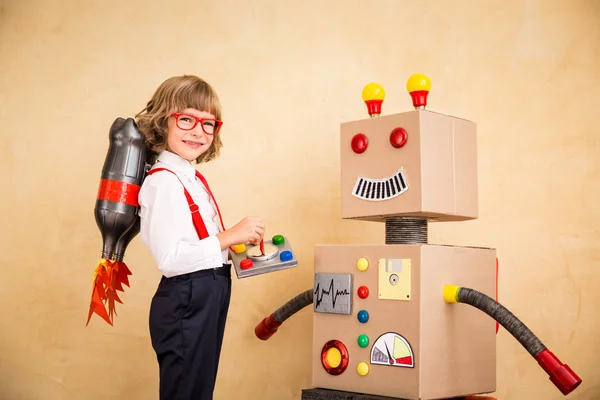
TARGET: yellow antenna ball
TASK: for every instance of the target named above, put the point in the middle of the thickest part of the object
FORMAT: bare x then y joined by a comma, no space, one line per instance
373,91
418,85
373,95
418,82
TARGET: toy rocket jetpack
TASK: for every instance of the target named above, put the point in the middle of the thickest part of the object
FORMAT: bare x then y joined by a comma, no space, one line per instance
385,319
116,213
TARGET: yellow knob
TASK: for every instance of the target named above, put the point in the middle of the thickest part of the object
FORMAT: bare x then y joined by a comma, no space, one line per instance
362,264
362,368
451,293
333,357
239,248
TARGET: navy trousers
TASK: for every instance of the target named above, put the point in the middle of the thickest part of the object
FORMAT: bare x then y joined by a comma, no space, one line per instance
187,321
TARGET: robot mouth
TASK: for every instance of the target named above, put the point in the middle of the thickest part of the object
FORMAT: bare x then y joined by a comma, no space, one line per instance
380,189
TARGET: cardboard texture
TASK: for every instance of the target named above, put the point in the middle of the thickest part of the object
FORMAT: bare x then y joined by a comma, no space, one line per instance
453,348
438,160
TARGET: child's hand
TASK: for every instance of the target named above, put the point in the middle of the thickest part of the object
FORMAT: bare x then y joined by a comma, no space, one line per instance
250,230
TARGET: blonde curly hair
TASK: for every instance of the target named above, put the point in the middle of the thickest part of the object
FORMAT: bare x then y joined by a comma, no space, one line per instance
174,95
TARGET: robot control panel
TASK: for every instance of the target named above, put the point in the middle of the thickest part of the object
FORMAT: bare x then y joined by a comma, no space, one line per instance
270,256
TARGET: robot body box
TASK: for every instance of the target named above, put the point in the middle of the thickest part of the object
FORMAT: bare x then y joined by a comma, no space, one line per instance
381,325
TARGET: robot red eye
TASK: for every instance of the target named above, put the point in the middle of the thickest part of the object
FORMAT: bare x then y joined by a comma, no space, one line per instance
398,137
359,143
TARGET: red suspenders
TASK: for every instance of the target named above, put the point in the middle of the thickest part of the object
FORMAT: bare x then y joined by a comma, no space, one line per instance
196,217
199,176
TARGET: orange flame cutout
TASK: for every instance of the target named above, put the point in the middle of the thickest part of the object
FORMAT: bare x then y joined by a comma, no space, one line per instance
108,278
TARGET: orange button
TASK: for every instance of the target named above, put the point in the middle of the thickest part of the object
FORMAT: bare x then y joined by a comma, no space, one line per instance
239,248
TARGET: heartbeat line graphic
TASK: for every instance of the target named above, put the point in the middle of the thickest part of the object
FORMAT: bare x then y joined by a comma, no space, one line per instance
329,292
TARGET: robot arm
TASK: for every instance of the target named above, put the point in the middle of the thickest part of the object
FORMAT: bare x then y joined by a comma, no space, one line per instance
268,326
560,374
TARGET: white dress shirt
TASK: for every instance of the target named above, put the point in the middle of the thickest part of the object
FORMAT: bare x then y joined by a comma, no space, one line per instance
167,228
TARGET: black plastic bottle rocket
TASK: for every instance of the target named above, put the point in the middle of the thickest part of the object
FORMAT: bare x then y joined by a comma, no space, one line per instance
117,204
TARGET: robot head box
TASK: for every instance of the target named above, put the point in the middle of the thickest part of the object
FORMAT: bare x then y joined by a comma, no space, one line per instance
410,164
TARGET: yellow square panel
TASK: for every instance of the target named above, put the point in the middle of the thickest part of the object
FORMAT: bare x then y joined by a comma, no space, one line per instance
394,279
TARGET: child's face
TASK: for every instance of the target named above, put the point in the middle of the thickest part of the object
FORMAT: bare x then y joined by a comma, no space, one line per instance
189,144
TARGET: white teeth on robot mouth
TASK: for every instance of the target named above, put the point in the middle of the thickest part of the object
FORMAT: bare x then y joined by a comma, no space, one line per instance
380,189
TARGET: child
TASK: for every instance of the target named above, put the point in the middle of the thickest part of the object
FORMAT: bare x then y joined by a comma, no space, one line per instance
182,124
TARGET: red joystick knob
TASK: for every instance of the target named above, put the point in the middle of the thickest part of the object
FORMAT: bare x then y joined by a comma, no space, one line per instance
398,137
363,292
359,143
246,264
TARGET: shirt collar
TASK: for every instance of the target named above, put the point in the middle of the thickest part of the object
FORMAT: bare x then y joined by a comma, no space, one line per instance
178,163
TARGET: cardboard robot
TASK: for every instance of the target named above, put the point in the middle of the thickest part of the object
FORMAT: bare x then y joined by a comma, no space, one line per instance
385,322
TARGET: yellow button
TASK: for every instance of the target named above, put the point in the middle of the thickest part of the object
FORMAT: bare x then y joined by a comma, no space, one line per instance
239,248
333,357
362,264
362,368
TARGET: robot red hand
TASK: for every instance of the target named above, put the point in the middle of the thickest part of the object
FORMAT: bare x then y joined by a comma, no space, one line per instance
268,326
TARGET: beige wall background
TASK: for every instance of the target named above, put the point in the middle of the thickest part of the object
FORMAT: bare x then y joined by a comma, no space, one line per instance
288,73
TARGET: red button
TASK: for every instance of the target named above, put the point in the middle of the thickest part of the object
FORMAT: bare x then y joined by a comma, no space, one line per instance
363,292
359,143
246,264
398,137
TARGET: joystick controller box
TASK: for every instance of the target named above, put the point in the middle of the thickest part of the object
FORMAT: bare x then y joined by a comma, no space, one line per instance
273,255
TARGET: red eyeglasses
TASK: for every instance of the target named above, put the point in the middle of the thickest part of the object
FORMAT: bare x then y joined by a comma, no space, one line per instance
187,122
